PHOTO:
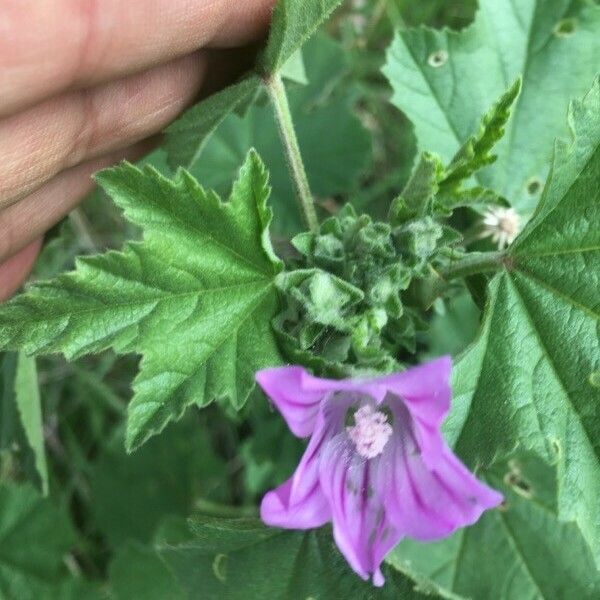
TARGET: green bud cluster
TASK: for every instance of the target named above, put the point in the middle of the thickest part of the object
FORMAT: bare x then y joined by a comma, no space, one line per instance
345,306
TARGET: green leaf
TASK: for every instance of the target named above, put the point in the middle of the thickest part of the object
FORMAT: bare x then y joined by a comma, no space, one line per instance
434,188
185,138
294,21
195,298
475,153
138,573
531,376
241,559
518,551
9,420
334,163
445,81
130,495
27,397
34,537
21,452
420,190
295,69
453,329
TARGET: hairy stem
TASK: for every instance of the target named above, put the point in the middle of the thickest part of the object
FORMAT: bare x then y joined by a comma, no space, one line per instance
425,291
287,133
472,264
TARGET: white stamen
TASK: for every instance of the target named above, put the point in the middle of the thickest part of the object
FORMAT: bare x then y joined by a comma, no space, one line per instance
371,431
502,225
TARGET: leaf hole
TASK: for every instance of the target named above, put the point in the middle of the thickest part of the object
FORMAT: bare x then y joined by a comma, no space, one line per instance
219,567
565,27
515,480
594,379
534,186
438,58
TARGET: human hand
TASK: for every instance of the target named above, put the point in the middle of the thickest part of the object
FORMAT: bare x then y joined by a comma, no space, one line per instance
85,83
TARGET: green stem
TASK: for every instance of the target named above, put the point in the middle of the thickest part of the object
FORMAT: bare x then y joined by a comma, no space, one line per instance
472,264
287,133
425,291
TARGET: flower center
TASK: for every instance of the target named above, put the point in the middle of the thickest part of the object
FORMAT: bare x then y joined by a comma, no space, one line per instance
509,224
370,432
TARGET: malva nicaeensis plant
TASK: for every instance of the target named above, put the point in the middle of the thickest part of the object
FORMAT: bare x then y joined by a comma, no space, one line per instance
210,305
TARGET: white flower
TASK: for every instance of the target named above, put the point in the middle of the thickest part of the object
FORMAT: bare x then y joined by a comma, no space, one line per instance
502,225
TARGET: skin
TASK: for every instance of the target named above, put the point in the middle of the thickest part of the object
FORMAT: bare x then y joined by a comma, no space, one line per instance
86,83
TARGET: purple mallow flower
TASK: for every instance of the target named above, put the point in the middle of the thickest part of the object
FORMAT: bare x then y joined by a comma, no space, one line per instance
376,463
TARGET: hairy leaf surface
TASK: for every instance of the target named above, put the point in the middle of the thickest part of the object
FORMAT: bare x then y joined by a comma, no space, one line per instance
531,378
185,138
294,21
444,81
520,550
195,298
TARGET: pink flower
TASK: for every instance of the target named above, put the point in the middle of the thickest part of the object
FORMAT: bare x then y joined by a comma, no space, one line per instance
376,463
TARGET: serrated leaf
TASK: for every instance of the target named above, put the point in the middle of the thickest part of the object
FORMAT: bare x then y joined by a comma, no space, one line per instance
518,551
530,379
434,188
195,298
241,559
27,398
34,536
476,152
445,81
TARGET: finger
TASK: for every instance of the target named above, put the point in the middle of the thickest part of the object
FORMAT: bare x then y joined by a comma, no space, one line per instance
15,270
25,221
51,45
64,131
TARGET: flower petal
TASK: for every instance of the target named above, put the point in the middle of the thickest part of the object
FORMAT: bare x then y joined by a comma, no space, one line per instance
299,503
360,526
425,389
298,405
428,500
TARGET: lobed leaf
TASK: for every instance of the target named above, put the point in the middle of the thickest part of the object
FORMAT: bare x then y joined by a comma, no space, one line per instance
530,378
435,188
195,298
444,81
